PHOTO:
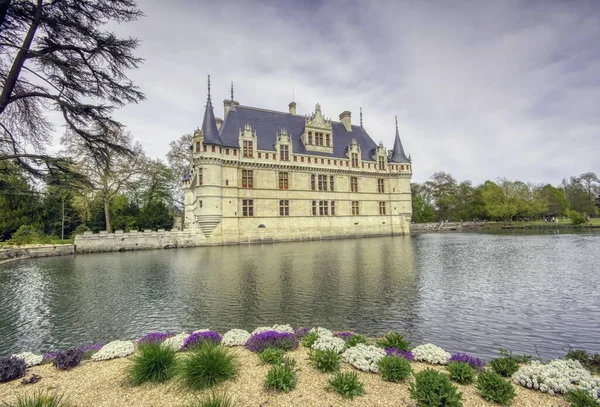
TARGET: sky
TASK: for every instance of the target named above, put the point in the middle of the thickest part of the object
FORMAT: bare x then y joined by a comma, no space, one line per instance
482,89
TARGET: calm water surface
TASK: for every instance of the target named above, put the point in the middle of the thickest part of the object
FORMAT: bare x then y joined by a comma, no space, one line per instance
466,292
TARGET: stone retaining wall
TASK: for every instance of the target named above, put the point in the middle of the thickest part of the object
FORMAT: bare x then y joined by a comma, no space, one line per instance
27,252
120,241
444,226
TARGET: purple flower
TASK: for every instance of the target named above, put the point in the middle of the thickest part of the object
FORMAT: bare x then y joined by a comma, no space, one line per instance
406,354
154,337
199,337
85,349
344,335
272,339
49,355
463,357
300,332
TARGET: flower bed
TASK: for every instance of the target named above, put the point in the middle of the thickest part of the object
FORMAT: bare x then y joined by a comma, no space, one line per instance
271,339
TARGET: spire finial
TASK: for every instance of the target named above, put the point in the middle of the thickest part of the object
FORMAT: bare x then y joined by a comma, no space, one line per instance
232,91
209,87
396,117
293,95
361,118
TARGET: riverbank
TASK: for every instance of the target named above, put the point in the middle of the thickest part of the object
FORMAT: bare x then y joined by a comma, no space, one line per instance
105,383
13,253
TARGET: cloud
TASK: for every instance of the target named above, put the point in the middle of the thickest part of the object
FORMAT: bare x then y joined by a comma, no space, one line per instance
482,89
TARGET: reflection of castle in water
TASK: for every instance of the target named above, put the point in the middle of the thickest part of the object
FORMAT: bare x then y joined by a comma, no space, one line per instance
346,284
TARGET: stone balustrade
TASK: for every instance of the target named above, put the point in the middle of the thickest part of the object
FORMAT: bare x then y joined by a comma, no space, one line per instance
124,241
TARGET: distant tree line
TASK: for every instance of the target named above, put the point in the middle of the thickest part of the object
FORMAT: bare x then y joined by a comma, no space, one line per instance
443,198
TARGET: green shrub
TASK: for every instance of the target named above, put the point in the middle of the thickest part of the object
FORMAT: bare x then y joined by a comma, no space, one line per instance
461,372
354,340
309,339
271,356
206,366
80,229
580,398
434,389
153,363
325,360
213,400
26,234
576,217
394,368
504,366
587,360
40,400
492,387
282,377
346,384
394,340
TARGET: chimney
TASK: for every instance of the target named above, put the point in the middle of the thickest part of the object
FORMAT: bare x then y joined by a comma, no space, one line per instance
345,119
219,122
292,107
226,106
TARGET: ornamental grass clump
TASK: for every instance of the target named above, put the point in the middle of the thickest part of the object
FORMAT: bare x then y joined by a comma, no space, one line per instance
154,337
431,354
408,355
153,363
11,368
394,340
207,365
492,387
325,360
355,340
271,339
282,376
505,366
434,389
200,337
271,356
68,359
213,400
461,372
475,363
309,339
364,357
580,398
346,384
394,368
40,399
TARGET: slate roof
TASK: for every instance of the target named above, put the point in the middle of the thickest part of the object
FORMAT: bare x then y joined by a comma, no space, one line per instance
268,124
398,154
209,125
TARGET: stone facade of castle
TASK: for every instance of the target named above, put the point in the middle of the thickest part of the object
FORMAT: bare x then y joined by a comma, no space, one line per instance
260,175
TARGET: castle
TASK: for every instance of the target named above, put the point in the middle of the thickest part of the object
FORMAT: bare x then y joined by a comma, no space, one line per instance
262,175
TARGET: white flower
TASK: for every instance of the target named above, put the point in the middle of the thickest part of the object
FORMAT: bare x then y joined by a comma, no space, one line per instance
235,337
364,357
321,331
176,342
31,359
329,342
431,353
558,377
115,349
276,328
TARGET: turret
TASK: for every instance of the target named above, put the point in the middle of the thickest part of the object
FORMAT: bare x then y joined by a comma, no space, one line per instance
398,154
209,125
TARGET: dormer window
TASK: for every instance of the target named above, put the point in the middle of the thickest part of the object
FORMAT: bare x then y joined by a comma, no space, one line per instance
381,163
248,149
284,152
354,157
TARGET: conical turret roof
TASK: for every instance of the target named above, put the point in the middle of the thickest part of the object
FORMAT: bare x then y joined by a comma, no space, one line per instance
398,154
209,124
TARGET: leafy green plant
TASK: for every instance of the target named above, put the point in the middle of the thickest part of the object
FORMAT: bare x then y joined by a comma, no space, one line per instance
587,360
434,389
492,387
206,366
153,363
26,234
580,398
517,358
213,400
68,359
271,355
11,368
40,400
394,368
354,340
576,217
282,377
461,372
325,360
394,340
346,384
309,339
504,366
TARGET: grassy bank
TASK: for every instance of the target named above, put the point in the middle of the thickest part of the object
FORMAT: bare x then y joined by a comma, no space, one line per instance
539,224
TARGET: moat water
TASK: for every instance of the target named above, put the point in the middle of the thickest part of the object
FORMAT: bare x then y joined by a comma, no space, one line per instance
469,292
